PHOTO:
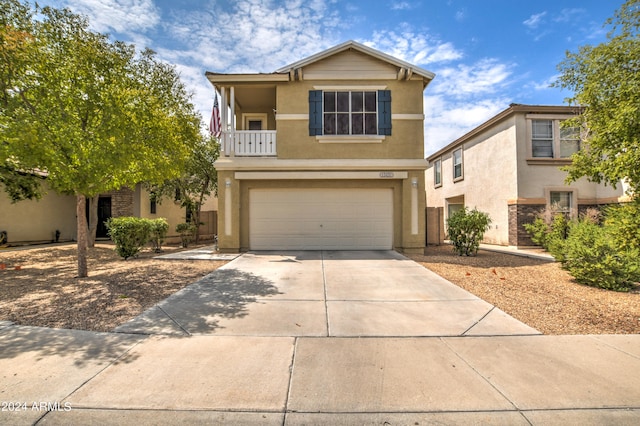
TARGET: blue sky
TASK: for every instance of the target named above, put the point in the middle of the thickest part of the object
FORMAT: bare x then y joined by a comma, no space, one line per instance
486,54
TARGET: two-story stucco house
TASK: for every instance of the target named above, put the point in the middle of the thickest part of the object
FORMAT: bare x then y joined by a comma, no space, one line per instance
324,153
509,167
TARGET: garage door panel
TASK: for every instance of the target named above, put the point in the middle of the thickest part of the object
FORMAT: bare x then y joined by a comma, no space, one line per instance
318,219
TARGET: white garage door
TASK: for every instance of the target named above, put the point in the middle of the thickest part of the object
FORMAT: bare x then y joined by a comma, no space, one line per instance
321,219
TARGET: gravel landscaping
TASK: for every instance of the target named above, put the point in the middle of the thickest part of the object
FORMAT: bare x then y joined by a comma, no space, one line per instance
539,293
38,287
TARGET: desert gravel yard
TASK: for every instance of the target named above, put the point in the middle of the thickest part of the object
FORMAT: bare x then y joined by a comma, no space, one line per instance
539,293
38,287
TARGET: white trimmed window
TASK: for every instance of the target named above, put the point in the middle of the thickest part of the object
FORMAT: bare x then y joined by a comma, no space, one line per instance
457,164
437,173
549,139
562,200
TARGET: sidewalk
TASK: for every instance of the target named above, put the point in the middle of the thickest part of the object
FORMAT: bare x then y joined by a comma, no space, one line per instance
318,338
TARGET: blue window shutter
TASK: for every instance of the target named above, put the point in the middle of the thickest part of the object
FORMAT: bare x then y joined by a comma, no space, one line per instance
384,112
315,112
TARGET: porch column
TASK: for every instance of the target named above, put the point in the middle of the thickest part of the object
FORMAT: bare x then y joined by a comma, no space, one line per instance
223,120
233,127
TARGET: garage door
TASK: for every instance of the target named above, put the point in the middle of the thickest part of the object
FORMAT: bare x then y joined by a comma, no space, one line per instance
321,219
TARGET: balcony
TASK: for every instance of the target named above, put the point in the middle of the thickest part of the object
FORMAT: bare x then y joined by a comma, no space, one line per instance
249,143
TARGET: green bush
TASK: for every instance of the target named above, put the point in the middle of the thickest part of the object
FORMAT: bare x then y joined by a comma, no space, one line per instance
623,223
549,230
557,236
538,230
159,229
187,231
592,257
466,229
129,234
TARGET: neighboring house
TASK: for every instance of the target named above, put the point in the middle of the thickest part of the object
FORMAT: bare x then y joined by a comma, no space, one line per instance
325,153
509,167
31,221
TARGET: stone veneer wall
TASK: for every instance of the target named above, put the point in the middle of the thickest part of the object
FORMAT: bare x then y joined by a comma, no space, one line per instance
519,214
121,202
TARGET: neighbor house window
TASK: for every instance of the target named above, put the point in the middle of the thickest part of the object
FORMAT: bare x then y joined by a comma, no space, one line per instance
542,138
349,112
457,164
569,141
561,201
437,173
153,207
549,139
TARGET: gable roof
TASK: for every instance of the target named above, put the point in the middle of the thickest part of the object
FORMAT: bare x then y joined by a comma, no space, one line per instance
408,69
513,108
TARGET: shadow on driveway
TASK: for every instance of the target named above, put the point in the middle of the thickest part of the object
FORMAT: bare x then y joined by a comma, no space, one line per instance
198,308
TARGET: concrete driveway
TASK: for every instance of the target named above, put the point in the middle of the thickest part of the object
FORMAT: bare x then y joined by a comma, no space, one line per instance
319,338
331,293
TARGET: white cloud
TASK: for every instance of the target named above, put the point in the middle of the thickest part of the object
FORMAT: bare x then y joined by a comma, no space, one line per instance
545,84
256,36
446,121
570,15
122,16
401,5
416,48
534,20
485,76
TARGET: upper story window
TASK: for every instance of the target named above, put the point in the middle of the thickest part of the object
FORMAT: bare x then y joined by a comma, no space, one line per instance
437,173
457,164
549,139
349,112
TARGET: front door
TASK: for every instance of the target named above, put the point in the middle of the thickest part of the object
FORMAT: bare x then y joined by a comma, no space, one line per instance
104,213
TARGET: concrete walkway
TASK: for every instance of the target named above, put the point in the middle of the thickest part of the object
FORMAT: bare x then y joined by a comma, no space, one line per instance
318,338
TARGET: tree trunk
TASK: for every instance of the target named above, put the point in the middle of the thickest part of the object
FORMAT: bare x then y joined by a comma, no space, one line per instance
81,214
93,221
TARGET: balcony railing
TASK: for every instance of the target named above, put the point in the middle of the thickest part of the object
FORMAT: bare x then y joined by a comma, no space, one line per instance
248,143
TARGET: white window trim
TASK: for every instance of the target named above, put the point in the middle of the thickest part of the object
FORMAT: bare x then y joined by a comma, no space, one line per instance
350,138
453,165
437,184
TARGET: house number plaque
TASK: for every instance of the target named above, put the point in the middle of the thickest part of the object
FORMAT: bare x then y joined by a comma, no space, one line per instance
386,174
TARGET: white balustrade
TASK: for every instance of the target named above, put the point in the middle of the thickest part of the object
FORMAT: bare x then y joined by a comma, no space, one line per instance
248,143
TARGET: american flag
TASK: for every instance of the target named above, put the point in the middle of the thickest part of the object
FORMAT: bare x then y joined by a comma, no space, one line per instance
214,124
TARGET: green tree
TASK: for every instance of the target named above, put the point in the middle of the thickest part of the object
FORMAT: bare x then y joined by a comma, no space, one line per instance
198,180
605,79
92,113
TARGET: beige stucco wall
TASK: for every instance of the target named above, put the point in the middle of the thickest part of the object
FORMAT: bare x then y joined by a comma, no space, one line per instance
489,178
497,173
406,140
533,179
166,208
37,221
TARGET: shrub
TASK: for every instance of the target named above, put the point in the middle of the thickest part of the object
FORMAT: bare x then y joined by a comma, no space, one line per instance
187,231
549,230
466,229
159,229
129,234
623,223
557,236
538,230
592,257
